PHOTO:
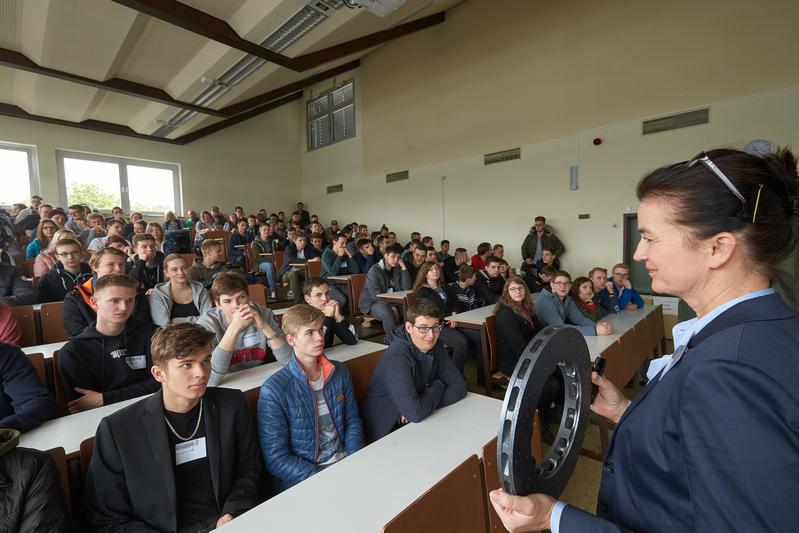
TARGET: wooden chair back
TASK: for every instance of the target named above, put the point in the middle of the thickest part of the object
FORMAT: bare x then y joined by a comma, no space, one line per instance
461,489
86,452
37,360
223,236
257,294
52,319
189,257
278,259
29,267
313,269
60,459
491,337
357,284
361,370
26,318
491,482
58,386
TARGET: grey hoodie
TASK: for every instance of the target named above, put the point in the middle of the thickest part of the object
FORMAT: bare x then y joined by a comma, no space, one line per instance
161,302
249,349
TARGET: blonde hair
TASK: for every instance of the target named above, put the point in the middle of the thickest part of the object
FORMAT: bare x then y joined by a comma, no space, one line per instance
59,235
300,315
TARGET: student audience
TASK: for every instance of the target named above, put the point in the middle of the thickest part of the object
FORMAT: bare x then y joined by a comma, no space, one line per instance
516,324
202,227
463,289
430,286
147,264
629,299
414,377
243,330
211,265
606,299
261,245
418,257
540,237
13,289
390,274
68,272
582,294
183,459
44,233
554,307
297,253
47,258
157,232
10,330
78,311
316,292
337,261
365,255
452,264
178,299
443,252
109,361
302,434
171,222
25,402
479,259
238,242
489,284
114,228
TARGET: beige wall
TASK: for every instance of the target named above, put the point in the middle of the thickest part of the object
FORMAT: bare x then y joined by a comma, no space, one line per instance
550,78
254,164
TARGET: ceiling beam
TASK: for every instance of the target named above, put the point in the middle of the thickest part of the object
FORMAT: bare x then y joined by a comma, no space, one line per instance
244,105
9,110
216,29
16,60
222,124
201,23
331,53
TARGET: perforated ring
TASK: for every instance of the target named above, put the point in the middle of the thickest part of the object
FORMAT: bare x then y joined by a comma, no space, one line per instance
554,347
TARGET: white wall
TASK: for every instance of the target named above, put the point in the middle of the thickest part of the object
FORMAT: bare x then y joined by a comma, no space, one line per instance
253,164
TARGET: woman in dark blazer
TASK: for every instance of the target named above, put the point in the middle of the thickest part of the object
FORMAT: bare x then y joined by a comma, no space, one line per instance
712,442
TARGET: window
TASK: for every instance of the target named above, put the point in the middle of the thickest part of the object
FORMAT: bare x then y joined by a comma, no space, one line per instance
20,173
331,116
104,181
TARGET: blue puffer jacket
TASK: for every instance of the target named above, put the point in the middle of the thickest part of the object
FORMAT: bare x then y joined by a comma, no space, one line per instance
288,421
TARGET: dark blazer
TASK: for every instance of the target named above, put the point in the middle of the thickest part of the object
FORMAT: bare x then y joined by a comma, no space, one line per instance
445,308
131,484
513,335
713,445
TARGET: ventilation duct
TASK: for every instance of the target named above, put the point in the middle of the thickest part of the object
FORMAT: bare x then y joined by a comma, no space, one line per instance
290,32
335,188
680,120
397,176
501,157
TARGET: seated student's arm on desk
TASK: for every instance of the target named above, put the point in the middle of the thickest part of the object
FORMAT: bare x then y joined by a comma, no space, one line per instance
452,379
30,400
248,487
135,390
222,345
405,278
331,263
738,443
585,325
107,497
275,438
75,373
353,436
346,332
413,406
280,348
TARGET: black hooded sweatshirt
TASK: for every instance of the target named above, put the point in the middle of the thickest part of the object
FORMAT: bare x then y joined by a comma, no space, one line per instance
118,366
57,283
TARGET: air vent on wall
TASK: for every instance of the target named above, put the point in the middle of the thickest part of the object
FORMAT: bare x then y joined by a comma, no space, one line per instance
499,157
397,176
335,188
680,120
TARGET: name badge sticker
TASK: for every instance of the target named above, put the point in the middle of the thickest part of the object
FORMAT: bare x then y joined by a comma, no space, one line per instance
189,451
251,339
136,362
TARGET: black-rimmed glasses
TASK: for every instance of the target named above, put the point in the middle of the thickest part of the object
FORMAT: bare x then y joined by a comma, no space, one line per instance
424,329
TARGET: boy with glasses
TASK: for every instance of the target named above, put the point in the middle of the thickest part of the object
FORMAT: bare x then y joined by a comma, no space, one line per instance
556,308
68,272
415,377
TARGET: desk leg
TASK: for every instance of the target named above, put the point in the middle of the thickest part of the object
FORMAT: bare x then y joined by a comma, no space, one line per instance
486,362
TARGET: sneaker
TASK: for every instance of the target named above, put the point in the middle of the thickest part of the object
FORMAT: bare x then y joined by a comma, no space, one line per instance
274,295
290,294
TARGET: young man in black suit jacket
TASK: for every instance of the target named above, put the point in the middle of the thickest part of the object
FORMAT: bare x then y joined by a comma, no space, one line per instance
185,458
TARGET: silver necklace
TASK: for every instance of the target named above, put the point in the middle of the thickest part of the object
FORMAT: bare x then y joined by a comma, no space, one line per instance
199,418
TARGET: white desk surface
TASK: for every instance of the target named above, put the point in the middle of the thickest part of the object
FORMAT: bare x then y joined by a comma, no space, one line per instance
344,277
621,324
45,349
475,316
69,431
365,491
396,296
37,307
280,312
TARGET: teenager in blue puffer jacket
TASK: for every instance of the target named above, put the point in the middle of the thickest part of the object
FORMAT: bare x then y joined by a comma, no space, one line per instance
307,415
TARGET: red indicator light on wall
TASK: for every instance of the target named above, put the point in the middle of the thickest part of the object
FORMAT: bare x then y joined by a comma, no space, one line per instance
597,141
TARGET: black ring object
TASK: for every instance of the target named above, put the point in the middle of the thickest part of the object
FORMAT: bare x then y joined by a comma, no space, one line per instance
554,347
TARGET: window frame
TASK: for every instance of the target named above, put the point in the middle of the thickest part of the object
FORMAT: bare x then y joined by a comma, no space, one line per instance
33,166
124,189
332,108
